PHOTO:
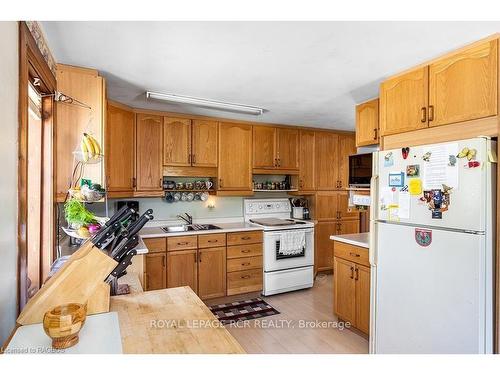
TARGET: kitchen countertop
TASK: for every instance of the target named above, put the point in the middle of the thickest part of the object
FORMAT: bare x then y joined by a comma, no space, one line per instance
356,239
238,226
173,321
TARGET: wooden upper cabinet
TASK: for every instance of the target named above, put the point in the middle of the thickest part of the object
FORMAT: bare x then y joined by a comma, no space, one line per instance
347,146
119,149
326,153
235,157
88,87
464,86
287,145
264,146
176,142
403,102
204,143
306,160
367,128
149,152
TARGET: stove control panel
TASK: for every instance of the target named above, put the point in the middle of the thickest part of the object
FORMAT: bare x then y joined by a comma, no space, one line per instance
267,206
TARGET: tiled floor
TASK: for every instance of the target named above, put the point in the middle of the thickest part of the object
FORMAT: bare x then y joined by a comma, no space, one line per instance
285,332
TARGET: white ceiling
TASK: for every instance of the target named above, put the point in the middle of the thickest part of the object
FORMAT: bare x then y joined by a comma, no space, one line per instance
303,73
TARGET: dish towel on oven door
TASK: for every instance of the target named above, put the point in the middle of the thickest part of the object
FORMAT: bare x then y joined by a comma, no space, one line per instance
292,243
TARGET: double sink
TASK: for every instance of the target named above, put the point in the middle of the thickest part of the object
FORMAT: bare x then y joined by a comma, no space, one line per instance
189,227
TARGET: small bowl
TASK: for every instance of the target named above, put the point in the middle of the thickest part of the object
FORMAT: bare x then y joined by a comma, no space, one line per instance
63,323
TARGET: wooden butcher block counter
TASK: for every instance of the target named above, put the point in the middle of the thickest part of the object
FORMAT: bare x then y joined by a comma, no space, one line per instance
171,320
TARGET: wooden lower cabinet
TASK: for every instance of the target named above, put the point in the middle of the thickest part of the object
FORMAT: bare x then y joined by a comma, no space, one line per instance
212,272
182,269
155,271
351,287
324,245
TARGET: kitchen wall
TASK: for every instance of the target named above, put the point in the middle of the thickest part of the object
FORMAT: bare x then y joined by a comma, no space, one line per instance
8,191
224,207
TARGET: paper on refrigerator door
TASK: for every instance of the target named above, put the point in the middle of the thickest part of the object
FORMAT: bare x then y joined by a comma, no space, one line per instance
404,205
437,170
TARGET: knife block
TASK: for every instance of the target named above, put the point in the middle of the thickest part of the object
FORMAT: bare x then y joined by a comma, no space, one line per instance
79,280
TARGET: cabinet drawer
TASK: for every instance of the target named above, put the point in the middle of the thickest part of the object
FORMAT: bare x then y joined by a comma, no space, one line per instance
244,281
244,251
182,243
156,245
243,264
212,240
351,253
241,238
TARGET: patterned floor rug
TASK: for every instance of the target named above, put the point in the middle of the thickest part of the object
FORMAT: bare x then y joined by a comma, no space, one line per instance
243,310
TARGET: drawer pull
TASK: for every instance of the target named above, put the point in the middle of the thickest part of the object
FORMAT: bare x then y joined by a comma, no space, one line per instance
245,264
182,243
245,251
213,241
354,255
246,238
245,277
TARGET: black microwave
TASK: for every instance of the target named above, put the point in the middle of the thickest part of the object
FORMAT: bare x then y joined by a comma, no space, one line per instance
360,169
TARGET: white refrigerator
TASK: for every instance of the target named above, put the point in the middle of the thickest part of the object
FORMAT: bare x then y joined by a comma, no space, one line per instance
431,250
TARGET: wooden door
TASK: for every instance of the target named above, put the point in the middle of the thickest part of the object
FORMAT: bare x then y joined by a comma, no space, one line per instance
344,289
287,141
325,206
306,161
235,157
362,278
343,207
149,153
119,149
403,102
464,86
326,153
323,245
176,142
155,271
182,269
264,147
204,143
367,128
348,226
347,146
212,272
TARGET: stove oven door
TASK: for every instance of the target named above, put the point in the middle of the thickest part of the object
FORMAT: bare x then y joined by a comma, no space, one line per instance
274,260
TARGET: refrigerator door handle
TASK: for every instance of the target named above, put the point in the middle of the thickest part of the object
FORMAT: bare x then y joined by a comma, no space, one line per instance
372,251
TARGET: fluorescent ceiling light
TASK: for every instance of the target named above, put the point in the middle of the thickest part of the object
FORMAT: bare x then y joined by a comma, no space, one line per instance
223,106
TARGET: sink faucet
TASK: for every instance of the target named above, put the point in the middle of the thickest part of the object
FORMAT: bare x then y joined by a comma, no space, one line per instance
188,219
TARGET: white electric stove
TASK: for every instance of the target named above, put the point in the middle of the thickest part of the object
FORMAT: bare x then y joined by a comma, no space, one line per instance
282,272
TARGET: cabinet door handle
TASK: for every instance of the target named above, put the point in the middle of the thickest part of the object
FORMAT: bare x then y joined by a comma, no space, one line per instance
354,255
275,162
220,182
279,162
163,260
134,182
161,182
196,257
423,117
245,264
375,134
357,274
301,185
194,159
431,113
340,184
199,257
352,272
245,277
189,158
